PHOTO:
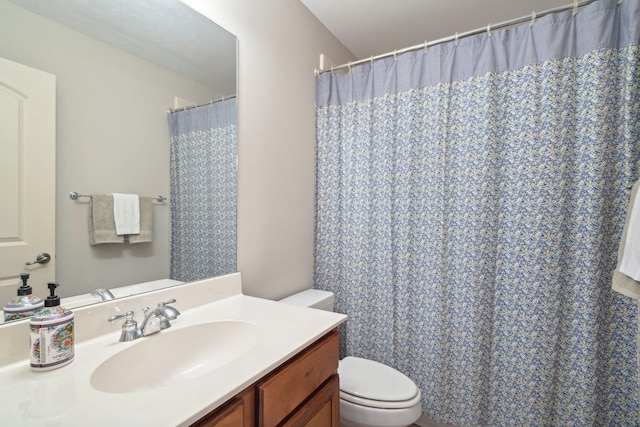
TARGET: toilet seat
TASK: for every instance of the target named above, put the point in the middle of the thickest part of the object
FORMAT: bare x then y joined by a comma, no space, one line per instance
369,383
381,404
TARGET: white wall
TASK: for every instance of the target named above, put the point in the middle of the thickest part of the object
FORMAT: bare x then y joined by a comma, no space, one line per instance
280,43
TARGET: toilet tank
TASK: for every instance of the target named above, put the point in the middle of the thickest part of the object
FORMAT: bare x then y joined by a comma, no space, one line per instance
314,298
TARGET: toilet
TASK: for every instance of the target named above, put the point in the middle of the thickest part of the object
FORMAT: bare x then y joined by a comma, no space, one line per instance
371,394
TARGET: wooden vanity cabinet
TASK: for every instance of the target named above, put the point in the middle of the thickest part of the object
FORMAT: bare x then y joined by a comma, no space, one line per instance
304,391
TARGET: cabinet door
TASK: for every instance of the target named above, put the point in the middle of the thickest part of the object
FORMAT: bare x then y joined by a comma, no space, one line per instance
238,412
233,416
322,410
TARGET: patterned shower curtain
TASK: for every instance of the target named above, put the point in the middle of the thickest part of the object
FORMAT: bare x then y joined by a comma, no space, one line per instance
470,201
203,191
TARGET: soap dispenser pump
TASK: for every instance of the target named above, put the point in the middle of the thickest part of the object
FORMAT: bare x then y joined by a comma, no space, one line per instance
25,305
51,333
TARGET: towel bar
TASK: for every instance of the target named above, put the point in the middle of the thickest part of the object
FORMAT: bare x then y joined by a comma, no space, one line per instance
74,195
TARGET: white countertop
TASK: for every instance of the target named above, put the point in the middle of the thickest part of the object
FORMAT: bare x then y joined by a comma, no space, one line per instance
65,397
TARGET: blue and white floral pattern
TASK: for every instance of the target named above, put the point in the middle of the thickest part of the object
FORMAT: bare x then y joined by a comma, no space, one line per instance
203,191
469,229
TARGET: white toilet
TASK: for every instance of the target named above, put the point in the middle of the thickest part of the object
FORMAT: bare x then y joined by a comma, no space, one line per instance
371,394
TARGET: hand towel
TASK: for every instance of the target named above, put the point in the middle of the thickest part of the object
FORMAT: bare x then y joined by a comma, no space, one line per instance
126,213
623,280
146,221
101,225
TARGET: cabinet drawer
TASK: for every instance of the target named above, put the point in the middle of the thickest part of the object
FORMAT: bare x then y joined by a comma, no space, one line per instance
283,391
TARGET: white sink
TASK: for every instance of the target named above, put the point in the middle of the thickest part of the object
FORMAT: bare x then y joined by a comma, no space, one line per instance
172,356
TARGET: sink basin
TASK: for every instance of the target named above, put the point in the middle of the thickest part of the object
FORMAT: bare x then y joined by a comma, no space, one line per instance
170,356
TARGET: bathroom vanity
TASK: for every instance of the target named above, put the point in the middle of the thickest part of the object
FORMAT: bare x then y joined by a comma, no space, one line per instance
303,391
227,360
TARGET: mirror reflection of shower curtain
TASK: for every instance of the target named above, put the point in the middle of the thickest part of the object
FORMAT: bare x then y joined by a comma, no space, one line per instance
203,191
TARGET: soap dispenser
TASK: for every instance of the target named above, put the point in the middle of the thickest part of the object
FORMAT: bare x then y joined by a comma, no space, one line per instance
25,305
51,334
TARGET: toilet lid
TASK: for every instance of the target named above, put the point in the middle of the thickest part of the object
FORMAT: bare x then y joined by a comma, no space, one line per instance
367,379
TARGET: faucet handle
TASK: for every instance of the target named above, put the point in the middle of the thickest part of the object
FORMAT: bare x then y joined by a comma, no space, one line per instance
130,330
171,312
129,315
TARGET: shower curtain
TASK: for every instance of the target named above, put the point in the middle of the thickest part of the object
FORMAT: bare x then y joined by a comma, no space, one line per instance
470,201
203,191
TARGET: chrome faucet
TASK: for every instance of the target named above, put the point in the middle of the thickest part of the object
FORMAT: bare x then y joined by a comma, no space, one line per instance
154,321
104,294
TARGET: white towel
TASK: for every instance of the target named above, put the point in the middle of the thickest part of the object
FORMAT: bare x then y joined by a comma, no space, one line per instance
628,250
630,264
126,213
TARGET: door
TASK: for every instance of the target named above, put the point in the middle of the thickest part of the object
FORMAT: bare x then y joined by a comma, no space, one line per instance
27,177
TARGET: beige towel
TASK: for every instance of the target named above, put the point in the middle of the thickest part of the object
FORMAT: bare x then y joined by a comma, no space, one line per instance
146,221
102,228
621,282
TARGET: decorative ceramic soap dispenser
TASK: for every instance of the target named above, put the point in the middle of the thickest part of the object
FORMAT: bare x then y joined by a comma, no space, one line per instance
51,334
25,305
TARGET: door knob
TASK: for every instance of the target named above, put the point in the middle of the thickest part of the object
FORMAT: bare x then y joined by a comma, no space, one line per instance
42,258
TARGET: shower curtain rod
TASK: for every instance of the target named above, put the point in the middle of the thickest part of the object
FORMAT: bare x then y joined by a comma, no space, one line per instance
189,107
529,18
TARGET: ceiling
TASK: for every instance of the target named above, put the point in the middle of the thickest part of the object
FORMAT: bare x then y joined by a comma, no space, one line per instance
374,27
165,32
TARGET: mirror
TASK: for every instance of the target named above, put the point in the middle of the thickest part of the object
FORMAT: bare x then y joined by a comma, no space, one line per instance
119,66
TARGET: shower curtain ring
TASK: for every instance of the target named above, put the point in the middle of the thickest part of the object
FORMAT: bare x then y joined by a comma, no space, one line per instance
575,7
455,42
533,18
349,65
395,54
489,29
426,46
